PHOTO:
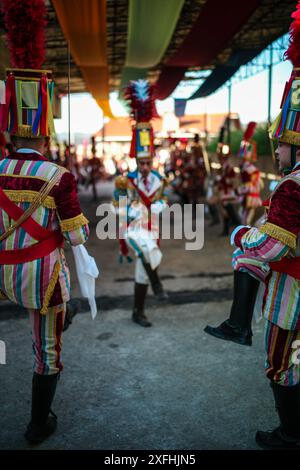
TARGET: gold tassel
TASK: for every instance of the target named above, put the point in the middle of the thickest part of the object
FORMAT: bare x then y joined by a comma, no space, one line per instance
280,234
50,288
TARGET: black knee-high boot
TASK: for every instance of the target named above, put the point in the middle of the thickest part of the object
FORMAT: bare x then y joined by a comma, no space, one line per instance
138,314
155,281
237,327
42,425
287,435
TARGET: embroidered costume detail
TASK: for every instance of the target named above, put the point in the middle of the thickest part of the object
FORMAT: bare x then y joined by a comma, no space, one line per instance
29,196
280,234
50,288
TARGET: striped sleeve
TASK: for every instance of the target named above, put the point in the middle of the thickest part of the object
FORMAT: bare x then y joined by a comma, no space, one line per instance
263,247
73,223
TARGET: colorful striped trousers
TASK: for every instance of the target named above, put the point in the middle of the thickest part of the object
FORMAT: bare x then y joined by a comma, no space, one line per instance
282,355
46,333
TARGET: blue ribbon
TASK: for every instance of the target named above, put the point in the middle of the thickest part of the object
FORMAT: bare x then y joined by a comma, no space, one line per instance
284,114
36,123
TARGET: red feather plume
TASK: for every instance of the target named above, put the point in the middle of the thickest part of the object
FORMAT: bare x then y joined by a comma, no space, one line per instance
249,131
25,23
142,110
293,51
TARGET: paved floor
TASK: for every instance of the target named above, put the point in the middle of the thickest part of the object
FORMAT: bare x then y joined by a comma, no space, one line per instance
124,387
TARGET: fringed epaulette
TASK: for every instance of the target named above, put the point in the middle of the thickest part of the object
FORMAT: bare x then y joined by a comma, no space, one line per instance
282,235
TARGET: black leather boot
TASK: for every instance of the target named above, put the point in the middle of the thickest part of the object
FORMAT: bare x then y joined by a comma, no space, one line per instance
238,326
287,435
138,315
42,425
156,284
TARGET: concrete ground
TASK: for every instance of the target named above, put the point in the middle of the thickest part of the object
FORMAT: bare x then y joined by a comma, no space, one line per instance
126,387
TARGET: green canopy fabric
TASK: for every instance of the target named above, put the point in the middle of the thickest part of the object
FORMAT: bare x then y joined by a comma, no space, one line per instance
151,24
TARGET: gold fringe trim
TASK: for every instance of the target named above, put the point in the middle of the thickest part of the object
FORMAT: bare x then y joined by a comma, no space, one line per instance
73,223
25,131
50,288
121,182
29,196
25,176
280,234
290,137
35,71
143,125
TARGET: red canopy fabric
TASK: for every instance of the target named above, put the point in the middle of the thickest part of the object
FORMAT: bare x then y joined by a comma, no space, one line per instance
212,31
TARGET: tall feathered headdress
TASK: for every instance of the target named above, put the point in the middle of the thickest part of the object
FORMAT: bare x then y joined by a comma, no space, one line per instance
286,127
140,97
26,109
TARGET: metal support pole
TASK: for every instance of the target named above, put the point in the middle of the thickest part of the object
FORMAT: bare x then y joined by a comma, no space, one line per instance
270,84
270,99
69,163
229,112
103,135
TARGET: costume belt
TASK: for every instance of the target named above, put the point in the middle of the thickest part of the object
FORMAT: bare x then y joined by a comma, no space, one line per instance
290,266
36,251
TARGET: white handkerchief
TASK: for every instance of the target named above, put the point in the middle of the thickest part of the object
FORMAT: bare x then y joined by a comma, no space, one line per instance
87,271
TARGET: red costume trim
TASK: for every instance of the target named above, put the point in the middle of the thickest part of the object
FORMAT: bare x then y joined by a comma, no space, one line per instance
146,200
48,240
290,266
34,229
36,251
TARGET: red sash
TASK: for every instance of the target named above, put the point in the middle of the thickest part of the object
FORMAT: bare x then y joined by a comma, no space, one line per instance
146,200
48,240
290,266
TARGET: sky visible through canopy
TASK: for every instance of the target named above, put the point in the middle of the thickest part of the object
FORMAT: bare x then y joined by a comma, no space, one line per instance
249,100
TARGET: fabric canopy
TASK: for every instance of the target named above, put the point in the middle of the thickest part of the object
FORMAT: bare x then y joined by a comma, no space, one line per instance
151,24
207,38
83,23
222,73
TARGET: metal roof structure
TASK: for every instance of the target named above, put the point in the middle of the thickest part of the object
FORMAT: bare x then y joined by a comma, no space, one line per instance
269,22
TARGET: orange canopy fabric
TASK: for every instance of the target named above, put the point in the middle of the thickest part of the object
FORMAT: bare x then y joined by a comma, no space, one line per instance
83,23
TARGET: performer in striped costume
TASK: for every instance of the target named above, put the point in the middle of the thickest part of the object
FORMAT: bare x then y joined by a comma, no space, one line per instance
271,254
144,190
39,210
33,268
